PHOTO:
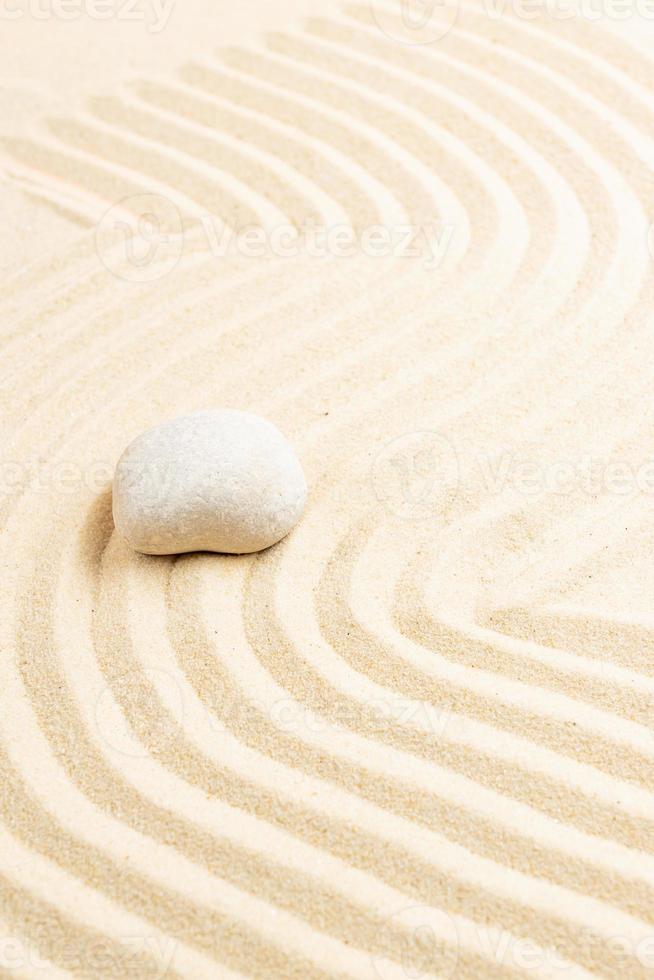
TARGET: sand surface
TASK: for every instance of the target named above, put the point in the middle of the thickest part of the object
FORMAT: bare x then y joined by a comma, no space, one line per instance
416,739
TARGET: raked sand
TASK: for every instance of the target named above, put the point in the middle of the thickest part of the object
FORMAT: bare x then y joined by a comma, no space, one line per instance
415,739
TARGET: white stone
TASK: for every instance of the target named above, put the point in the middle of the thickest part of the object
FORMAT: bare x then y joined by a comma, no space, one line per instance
224,481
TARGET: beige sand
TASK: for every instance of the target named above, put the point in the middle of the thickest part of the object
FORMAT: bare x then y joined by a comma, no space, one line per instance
416,738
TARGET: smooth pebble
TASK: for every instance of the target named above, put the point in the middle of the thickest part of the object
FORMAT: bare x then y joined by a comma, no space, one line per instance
224,480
